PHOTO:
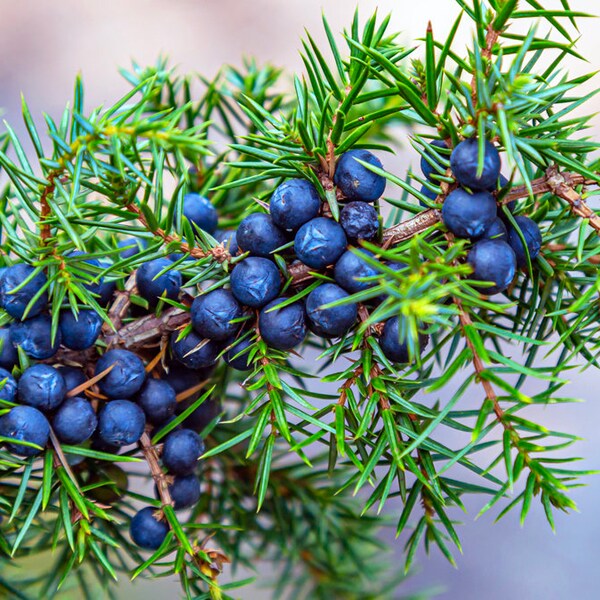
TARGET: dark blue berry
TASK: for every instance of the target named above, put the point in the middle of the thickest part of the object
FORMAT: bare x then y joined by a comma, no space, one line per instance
199,211
80,331
391,346
152,286
73,376
493,261
258,235
351,268
157,399
355,181
427,169
146,531
512,206
282,328
25,424
184,491
131,247
194,351
293,203
98,286
428,194
464,162
329,322
126,377
35,337
121,423
8,386
16,302
495,231
533,240
202,416
255,281
181,451
9,357
320,242
181,378
103,289
212,314
238,357
360,221
227,237
75,421
42,387
468,215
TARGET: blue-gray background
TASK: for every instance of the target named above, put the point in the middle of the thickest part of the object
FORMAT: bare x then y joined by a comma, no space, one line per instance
44,44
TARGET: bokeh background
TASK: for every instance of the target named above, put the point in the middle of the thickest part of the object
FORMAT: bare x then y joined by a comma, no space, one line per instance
44,44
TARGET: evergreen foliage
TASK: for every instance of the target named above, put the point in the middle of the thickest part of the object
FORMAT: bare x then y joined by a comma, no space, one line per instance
292,473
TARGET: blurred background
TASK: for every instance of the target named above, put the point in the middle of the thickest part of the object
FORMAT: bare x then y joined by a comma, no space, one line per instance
45,44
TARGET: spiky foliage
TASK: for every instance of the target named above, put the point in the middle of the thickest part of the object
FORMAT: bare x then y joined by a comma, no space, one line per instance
292,450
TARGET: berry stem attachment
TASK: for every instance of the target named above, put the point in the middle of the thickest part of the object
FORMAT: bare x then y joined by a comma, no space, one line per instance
151,456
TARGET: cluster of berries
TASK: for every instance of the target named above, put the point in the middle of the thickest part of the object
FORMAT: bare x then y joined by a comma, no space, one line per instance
123,402
471,211
56,397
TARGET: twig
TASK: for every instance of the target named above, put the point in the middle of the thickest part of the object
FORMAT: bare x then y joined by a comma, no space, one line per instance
161,480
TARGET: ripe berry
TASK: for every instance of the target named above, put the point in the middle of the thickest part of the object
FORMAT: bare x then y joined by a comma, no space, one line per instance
131,247
255,281
389,341
533,240
146,531
212,314
9,357
495,231
237,357
282,328
227,237
42,387
125,378
152,286
199,211
181,451
194,351
184,491
360,221
427,169
8,386
73,377
74,421
101,289
428,194
464,162
16,302
121,423
329,322
202,416
80,331
157,399
293,203
258,235
320,242
355,181
25,424
181,378
468,215
35,337
351,267
494,261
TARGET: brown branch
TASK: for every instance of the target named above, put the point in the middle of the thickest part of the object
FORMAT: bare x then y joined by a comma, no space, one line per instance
161,480
45,211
